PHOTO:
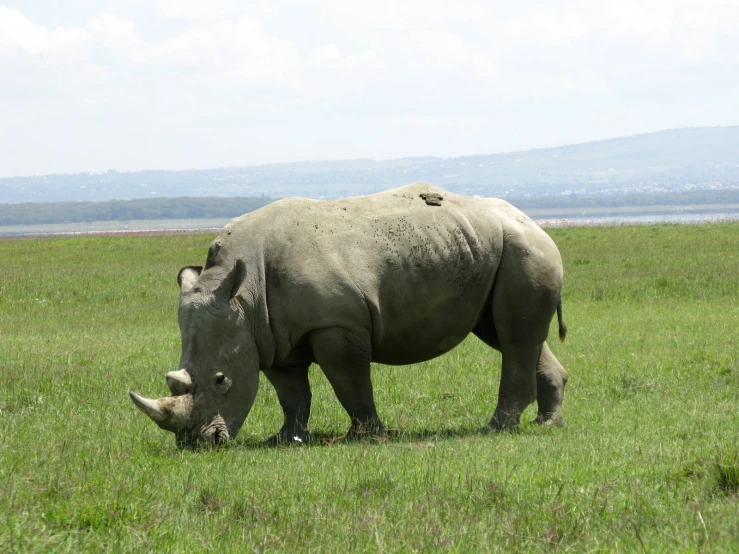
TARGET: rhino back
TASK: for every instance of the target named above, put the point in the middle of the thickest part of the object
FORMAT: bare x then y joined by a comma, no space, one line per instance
415,275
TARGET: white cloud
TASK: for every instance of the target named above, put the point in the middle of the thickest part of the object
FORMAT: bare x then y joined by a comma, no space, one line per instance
654,26
709,15
113,30
197,47
194,9
259,9
446,49
544,27
649,21
17,31
255,57
328,55
190,48
401,15
701,26
239,50
325,54
431,123
620,20
417,34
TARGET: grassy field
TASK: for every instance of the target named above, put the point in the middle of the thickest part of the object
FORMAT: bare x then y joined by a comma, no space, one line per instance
648,462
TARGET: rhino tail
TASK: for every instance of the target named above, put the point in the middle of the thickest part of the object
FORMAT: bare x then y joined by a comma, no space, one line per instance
562,326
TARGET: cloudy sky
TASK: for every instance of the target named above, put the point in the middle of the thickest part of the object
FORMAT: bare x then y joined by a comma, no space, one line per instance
89,85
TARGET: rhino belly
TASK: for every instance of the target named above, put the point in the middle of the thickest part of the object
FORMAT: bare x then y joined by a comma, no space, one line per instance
412,350
417,328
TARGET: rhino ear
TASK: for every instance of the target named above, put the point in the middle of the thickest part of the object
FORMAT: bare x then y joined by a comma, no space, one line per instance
233,283
187,276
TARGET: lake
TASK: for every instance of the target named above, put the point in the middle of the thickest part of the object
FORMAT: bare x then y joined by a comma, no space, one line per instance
545,218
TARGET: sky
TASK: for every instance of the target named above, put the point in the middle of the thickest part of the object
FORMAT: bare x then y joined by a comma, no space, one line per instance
92,85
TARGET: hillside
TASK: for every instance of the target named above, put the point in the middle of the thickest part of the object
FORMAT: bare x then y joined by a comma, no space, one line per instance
665,161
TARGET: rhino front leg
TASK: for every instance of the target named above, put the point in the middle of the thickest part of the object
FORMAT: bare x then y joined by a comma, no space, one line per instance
344,357
293,392
551,379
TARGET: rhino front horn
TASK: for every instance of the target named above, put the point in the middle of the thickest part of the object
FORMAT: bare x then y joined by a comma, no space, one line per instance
149,407
170,413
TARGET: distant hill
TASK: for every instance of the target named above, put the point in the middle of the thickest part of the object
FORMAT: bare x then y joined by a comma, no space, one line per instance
151,209
206,210
687,159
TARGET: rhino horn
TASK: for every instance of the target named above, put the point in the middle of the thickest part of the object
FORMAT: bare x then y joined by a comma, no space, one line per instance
149,407
179,382
171,413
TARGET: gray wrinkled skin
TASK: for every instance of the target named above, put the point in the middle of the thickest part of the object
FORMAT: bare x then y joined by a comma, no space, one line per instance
397,278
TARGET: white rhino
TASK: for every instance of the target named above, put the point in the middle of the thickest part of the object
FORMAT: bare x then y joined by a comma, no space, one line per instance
397,277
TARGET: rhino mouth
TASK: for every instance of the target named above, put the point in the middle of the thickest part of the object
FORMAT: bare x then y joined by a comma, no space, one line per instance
213,433
216,431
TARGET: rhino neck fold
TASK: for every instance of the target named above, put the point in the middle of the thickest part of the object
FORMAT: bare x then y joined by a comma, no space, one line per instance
253,304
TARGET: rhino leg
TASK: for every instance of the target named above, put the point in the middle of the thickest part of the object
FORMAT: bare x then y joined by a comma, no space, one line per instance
517,386
524,300
293,392
551,379
345,357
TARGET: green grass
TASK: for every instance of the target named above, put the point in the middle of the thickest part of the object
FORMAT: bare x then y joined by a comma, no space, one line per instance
647,462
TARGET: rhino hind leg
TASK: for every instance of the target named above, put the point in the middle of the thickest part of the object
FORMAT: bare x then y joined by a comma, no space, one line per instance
551,379
345,357
524,300
517,387
293,392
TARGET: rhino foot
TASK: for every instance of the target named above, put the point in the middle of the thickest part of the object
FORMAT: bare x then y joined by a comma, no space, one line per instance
550,420
489,429
506,422
372,429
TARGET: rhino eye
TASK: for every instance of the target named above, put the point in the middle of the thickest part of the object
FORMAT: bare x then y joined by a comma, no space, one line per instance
220,378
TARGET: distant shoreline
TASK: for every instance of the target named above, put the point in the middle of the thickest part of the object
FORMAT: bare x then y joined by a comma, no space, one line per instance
148,227
645,220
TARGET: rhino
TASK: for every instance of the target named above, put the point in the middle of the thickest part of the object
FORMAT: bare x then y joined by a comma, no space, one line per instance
397,277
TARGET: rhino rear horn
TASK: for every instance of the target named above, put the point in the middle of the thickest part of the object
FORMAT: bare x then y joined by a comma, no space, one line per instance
179,382
171,413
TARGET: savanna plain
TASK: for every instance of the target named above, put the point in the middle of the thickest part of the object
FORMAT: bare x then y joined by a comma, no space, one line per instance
648,460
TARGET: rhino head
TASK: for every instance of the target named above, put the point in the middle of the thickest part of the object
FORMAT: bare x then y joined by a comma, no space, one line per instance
218,376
